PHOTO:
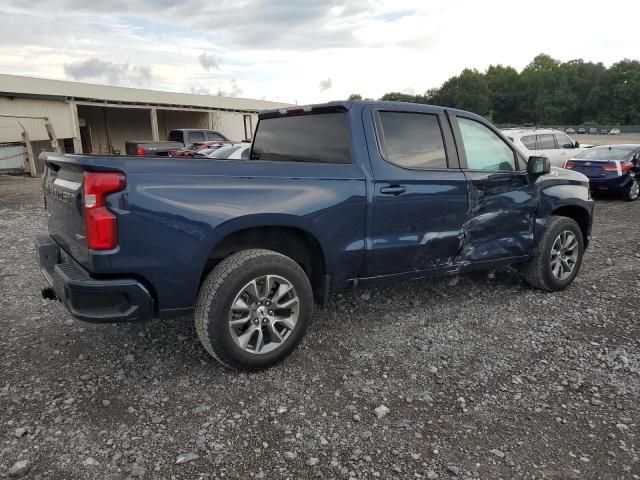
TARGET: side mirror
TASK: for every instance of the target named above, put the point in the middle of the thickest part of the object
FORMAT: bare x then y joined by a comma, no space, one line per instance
576,145
537,166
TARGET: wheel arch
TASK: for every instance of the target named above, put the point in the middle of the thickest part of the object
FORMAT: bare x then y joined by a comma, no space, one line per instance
286,238
580,215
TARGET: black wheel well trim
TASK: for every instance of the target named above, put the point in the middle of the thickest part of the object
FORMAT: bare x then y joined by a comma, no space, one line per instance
293,242
581,216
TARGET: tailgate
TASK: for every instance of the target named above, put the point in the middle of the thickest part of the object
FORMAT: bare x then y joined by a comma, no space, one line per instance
62,184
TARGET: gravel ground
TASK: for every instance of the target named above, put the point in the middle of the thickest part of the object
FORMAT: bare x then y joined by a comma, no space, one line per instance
471,377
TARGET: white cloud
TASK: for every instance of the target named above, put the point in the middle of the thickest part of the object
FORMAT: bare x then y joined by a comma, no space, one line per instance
325,84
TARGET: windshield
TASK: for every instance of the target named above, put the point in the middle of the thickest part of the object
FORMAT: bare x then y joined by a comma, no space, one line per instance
607,153
225,152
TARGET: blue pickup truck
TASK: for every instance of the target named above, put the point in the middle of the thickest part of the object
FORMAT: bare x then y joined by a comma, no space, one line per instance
337,195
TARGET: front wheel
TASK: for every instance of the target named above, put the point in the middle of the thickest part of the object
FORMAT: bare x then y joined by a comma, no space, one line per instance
558,257
253,309
634,190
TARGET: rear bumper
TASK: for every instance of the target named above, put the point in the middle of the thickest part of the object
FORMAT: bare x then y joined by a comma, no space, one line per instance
87,298
614,184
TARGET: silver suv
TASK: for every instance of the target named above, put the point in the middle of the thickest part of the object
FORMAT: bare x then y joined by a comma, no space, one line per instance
557,146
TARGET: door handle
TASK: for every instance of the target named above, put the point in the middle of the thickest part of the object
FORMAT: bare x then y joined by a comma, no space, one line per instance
394,190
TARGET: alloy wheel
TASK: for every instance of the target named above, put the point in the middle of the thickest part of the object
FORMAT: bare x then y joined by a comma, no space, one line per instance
634,190
564,255
263,314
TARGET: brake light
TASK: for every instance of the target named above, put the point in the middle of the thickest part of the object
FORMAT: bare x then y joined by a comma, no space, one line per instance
610,168
140,151
625,167
570,165
101,224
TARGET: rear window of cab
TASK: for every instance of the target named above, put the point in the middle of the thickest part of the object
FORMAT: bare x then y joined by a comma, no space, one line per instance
317,138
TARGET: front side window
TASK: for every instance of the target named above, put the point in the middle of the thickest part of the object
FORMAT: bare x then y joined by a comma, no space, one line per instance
319,138
563,141
546,142
195,137
484,149
411,140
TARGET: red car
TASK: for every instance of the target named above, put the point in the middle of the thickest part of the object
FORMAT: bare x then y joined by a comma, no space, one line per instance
192,149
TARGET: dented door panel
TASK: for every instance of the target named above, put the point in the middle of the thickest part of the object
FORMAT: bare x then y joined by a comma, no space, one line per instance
501,217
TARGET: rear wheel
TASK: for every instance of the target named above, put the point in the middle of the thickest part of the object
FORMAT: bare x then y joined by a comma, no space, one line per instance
634,190
558,256
253,309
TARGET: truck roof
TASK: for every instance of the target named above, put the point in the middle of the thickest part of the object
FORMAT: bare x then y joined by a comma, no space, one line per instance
346,105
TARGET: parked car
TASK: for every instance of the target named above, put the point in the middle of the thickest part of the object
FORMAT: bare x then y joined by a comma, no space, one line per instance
337,195
228,152
582,130
604,131
611,168
177,139
570,130
555,145
593,131
195,148
615,131
144,148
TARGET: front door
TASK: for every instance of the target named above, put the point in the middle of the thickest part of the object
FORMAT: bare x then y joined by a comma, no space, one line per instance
419,191
503,198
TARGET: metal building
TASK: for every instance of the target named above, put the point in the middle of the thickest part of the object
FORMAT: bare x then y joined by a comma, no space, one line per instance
99,119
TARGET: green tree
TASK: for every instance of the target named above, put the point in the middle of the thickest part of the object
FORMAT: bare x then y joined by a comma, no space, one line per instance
472,92
355,96
505,94
546,92
402,97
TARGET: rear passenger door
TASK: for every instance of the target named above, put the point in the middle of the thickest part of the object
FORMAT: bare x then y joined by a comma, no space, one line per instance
503,198
419,191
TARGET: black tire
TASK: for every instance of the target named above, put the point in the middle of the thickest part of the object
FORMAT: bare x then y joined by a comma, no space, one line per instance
221,287
538,273
633,192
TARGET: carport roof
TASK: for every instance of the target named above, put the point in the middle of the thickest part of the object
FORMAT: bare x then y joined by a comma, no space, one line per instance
14,85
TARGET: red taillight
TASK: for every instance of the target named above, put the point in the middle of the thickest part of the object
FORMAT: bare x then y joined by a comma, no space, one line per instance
101,224
140,151
610,168
570,165
626,166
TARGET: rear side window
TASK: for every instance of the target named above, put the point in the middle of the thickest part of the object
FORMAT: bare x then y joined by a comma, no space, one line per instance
529,141
195,137
484,149
411,140
319,138
546,142
175,136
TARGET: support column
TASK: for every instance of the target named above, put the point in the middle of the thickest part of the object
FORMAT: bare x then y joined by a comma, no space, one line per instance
32,161
75,122
154,124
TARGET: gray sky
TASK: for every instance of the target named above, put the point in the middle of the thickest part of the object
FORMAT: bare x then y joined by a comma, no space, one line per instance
302,50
